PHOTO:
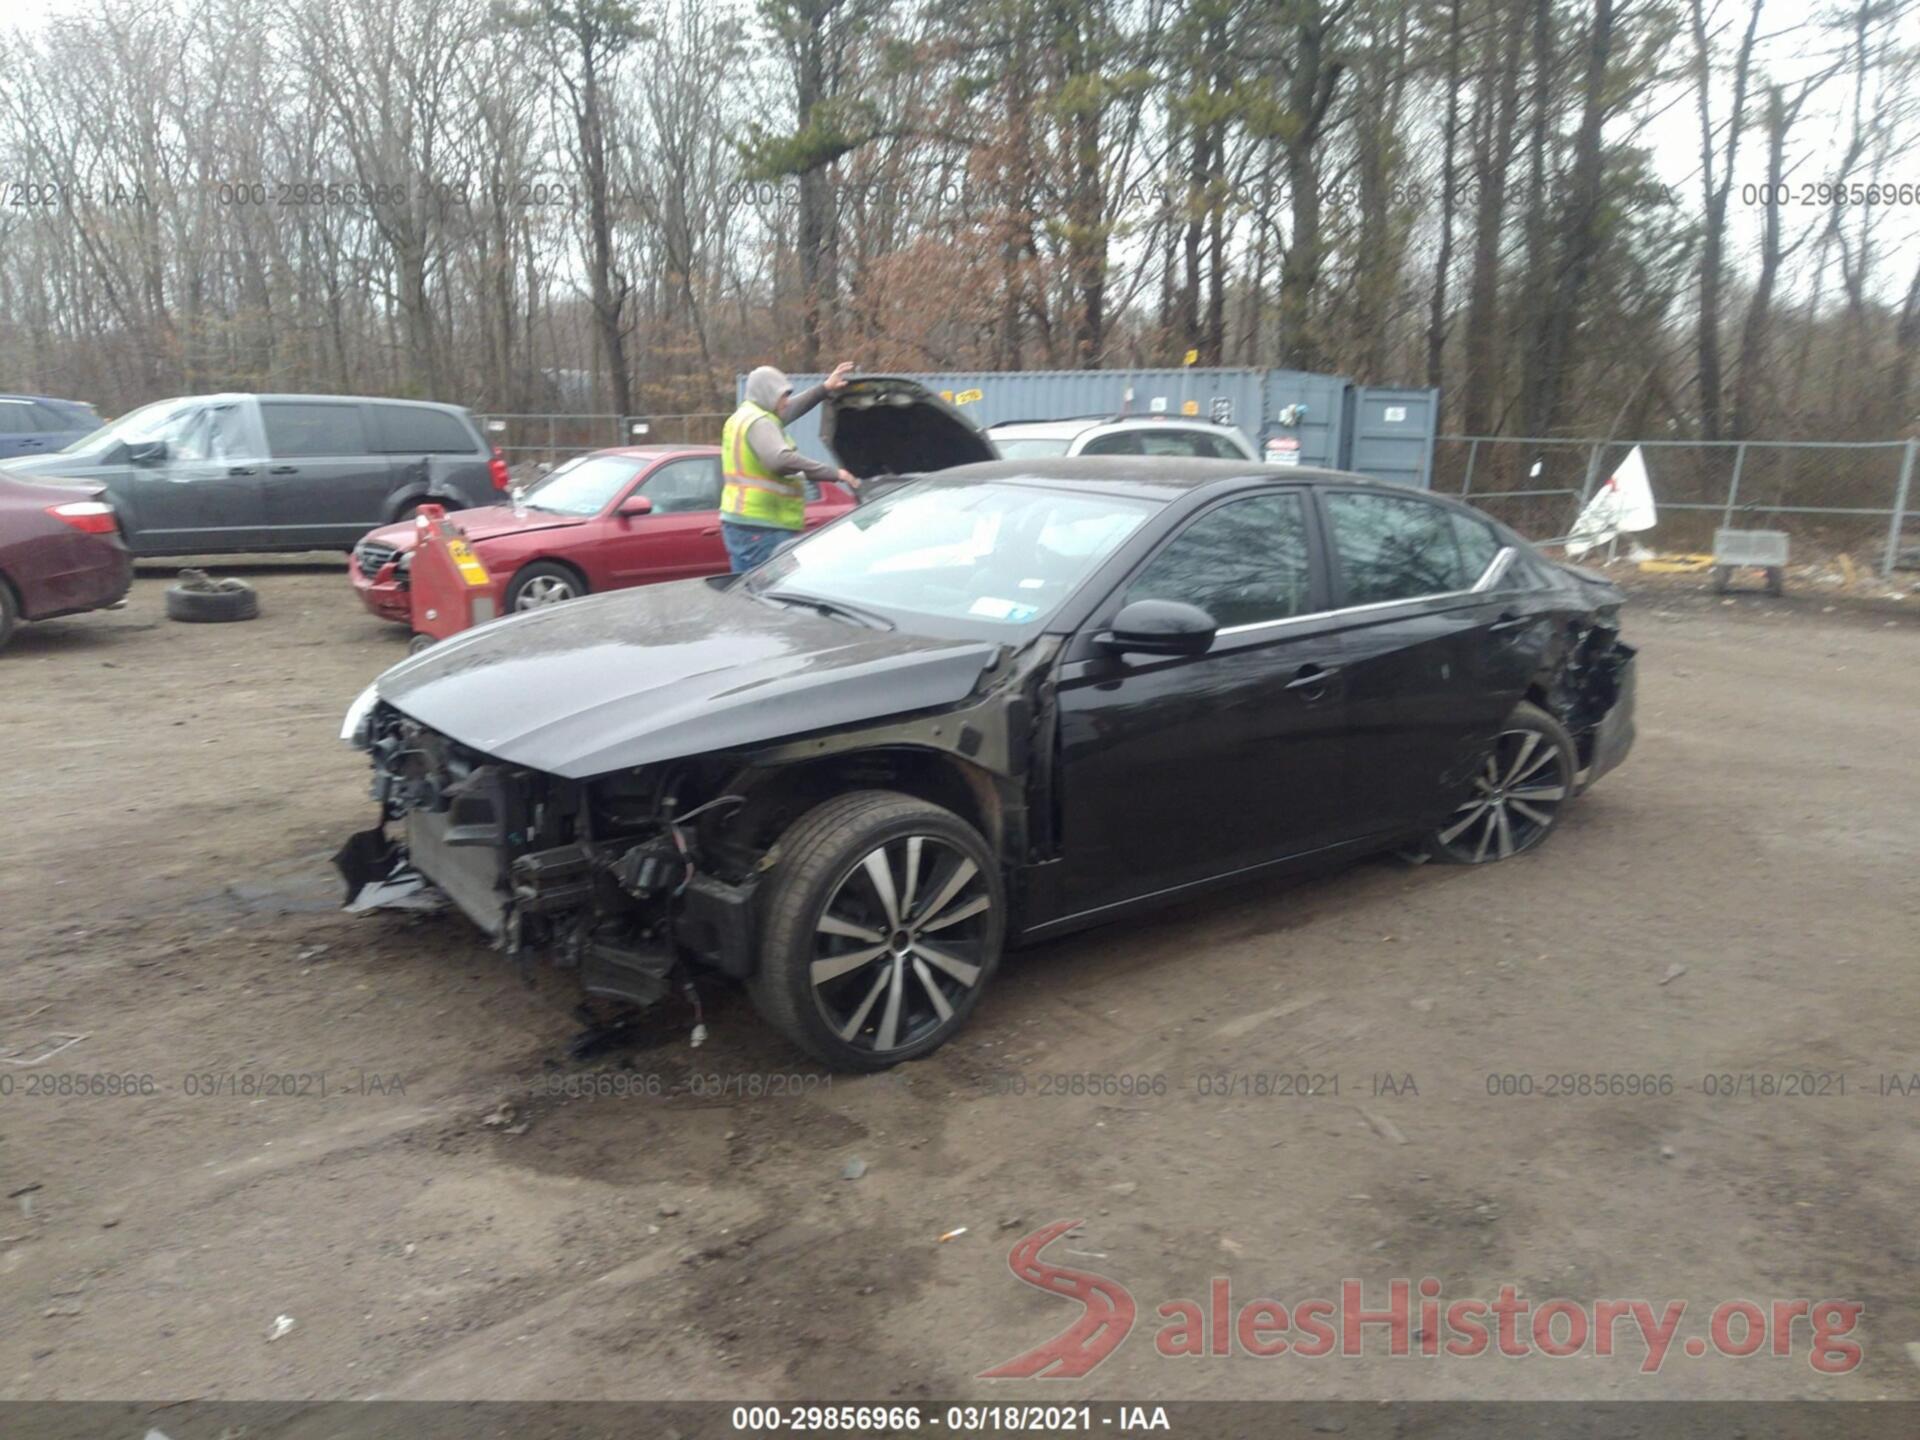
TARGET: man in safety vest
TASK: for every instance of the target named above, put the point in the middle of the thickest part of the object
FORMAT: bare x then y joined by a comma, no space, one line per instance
765,500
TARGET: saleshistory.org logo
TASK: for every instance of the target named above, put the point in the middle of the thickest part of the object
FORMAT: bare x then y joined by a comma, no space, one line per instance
1414,1321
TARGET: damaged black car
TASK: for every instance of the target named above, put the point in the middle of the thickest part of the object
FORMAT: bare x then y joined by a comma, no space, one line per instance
995,704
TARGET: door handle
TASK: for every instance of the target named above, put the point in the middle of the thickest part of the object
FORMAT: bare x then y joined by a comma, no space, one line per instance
1509,621
1312,681
284,470
714,531
239,470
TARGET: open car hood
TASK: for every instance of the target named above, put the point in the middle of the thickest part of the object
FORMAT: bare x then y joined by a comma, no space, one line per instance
889,425
634,677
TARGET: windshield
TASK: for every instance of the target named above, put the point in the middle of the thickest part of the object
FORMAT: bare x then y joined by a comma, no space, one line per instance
1029,449
582,486
149,422
1006,555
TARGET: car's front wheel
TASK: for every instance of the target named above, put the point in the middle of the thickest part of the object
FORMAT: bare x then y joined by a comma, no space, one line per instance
544,583
883,924
1517,796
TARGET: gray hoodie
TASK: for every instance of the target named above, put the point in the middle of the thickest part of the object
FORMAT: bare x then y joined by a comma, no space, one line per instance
765,386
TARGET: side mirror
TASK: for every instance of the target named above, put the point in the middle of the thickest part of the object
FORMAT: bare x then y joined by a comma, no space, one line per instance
146,452
636,505
1161,627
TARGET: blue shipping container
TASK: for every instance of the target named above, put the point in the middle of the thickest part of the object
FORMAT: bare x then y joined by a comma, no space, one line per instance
1314,419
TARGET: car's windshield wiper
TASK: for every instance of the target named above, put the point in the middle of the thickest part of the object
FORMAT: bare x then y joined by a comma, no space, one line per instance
830,607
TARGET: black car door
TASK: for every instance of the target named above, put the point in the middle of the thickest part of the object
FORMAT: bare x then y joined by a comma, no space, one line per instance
325,486
1172,770
1424,650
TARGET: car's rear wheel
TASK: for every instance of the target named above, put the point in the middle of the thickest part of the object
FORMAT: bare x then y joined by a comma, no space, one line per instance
9,612
883,925
1517,797
544,583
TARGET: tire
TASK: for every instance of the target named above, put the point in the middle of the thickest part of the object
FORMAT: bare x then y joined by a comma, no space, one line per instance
543,583
1722,579
1776,581
225,600
1515,802
890,993
9,612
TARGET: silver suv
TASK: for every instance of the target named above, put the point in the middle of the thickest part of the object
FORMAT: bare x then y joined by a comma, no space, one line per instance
1120,435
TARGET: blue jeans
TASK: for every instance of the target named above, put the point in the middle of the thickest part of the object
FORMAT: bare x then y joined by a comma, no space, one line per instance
749,546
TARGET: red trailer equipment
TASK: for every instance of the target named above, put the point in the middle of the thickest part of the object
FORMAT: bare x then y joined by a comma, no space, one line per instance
449,588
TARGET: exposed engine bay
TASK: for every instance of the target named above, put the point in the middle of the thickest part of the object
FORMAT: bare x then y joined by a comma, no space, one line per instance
625,877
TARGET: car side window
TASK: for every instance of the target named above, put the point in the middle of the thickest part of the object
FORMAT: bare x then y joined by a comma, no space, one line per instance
1393,548
683,485
298,428
419,430
52,421
1243,563
15,418
1478,544
1120,442
190,436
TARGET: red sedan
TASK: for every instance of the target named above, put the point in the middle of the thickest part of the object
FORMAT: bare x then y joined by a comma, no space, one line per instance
60,552
604,521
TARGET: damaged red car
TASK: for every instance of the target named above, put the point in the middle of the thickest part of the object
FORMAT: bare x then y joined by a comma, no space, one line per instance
609,520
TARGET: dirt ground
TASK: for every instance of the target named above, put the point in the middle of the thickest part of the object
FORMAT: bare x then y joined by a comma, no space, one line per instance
447,1221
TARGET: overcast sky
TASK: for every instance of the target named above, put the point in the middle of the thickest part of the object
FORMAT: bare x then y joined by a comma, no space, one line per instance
1793,48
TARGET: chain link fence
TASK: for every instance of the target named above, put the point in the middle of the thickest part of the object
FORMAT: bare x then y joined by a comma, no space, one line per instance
529,440
1831,496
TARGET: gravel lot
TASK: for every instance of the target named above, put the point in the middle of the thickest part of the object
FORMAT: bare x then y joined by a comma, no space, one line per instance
446,1221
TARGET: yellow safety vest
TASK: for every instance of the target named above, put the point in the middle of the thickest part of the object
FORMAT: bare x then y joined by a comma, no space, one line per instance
753,492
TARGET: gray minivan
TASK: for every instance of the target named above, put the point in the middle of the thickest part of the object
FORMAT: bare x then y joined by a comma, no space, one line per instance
226,473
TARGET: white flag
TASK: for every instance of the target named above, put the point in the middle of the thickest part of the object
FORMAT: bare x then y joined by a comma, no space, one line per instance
1623,503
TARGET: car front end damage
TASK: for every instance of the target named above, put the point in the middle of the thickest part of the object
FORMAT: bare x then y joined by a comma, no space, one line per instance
1591,691
639,879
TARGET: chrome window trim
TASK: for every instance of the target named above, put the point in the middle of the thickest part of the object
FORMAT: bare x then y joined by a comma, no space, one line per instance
1489,577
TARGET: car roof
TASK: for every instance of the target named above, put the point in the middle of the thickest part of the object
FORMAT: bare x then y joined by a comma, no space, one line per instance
359,399
645,452
230,395
55,399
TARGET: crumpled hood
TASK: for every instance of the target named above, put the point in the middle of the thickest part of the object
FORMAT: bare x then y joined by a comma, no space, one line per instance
634,677
483,523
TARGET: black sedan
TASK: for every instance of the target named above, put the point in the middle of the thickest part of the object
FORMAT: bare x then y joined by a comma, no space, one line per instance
997,704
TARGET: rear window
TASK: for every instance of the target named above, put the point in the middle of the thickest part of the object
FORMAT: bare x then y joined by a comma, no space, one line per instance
297,428
419,430
1029,449
1120,442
